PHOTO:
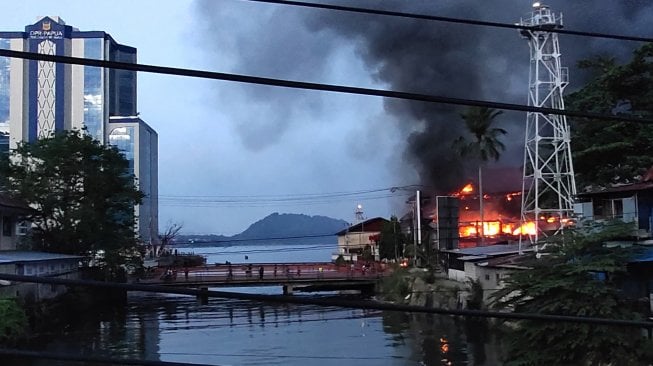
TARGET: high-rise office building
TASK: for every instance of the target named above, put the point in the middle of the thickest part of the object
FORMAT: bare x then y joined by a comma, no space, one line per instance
38,98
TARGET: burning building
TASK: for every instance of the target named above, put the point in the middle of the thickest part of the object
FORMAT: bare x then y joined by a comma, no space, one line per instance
453,219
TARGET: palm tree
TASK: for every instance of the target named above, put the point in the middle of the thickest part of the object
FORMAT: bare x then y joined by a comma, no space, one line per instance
484,145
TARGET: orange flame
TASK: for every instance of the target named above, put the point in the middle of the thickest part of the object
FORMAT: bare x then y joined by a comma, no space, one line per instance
494,228
467,189
527,229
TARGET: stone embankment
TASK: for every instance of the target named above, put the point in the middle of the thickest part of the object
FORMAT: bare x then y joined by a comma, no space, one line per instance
423,288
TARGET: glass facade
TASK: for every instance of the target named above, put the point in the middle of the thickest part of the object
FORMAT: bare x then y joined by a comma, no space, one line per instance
93,105
122,84
145,182
123,139
4,143
4,83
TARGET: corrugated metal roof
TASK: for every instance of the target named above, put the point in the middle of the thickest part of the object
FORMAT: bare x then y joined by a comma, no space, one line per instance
635,187
645,256
14,204
489,250
472,257
373,224
16,256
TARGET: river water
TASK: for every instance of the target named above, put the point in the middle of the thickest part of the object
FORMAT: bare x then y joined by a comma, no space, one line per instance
233,332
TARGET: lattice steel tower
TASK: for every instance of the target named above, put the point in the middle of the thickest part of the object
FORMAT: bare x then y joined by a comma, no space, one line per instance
548,187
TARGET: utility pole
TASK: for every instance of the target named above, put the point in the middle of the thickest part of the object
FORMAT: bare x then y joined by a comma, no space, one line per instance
419,223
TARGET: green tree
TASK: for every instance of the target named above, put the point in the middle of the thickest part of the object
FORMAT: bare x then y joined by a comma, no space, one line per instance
82,193
392,240
579,276
607,152
484,145
13,321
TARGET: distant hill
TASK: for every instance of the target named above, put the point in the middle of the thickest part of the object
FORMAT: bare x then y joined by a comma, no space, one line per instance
276,228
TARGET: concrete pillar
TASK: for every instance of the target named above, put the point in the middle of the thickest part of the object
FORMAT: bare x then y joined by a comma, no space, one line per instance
203,299
287,289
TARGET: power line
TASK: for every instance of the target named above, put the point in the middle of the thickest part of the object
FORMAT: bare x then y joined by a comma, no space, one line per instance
329,302
452,20
312,86
271,250
201,202
261,239
288,196
94,359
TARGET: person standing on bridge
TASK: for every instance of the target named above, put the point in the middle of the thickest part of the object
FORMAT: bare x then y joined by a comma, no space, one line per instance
275,270
260,272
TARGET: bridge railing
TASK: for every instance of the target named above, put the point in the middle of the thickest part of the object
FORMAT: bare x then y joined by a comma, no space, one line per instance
263,272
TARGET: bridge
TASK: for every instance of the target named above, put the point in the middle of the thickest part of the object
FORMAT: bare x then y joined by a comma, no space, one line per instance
301,277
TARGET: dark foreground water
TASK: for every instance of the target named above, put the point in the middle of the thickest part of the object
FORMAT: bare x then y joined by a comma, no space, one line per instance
232,332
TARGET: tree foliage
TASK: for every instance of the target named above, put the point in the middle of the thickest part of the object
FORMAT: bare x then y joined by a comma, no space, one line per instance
392,240
577,277
13,321
82,193
485,143
614,152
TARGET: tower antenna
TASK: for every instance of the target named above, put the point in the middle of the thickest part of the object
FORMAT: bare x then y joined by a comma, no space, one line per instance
548,187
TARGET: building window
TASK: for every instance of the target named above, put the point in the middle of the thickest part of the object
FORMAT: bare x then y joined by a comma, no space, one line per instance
4,83
487,277
6,226
22,228
93,95
498,277
4,142
123,139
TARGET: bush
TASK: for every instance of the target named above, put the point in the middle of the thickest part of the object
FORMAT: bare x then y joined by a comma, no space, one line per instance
13,321
395,287
340,261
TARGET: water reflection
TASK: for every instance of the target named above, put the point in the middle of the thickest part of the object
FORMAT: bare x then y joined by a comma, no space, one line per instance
442,340
248,333
175,328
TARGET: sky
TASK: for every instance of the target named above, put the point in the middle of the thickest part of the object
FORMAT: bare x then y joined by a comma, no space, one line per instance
259,149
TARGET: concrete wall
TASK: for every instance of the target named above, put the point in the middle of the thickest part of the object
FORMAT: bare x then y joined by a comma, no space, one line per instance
490,278
358,241
37,291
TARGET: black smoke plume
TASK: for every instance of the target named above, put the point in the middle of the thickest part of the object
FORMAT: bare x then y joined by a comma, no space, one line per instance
434,58
468,62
